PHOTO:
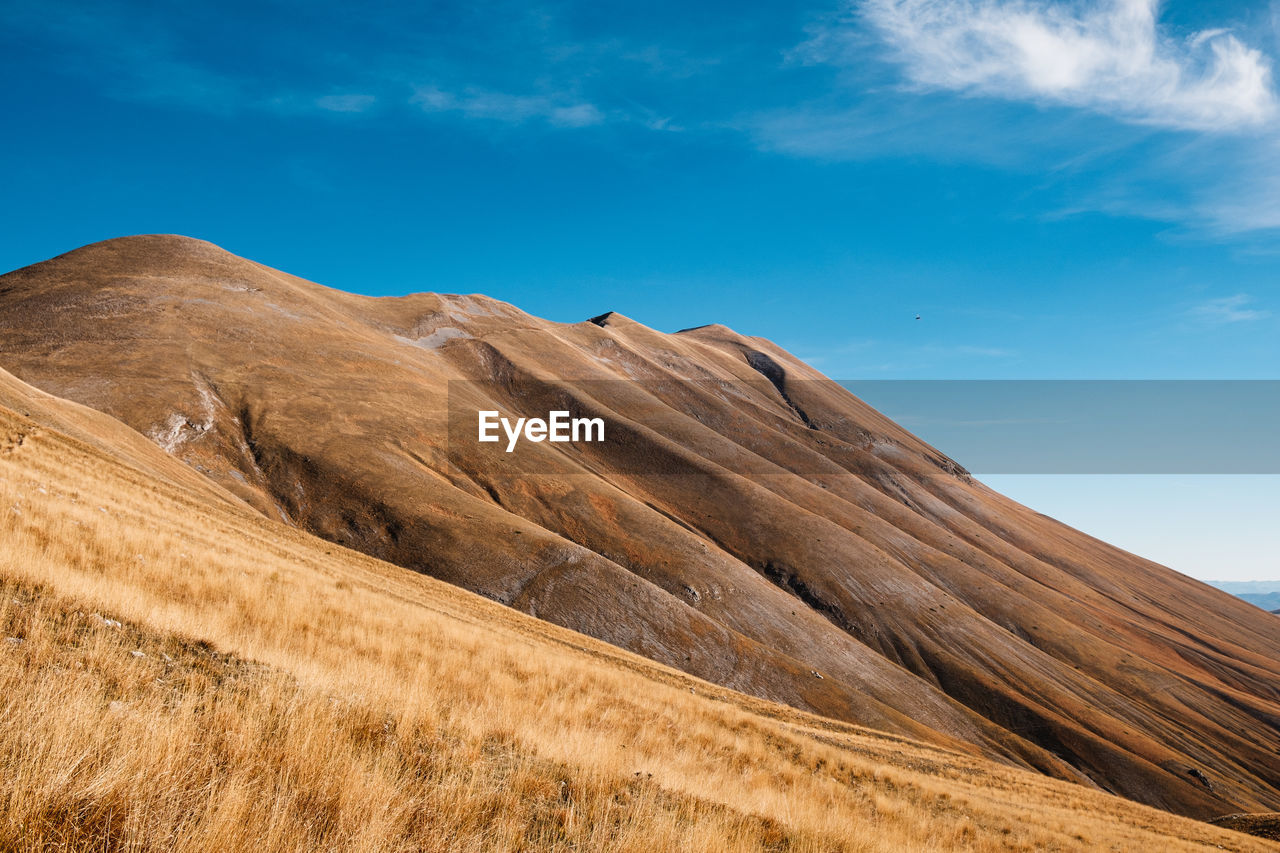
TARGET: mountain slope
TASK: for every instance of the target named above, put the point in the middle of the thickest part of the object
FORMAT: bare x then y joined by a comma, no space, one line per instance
218,681
754,524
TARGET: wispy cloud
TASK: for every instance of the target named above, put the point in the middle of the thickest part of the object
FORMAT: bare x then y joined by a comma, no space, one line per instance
1227,310
350,103
151,59
505,107
1109,56
572,80
1172,126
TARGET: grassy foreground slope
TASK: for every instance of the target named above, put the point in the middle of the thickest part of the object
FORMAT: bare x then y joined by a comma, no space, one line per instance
179,673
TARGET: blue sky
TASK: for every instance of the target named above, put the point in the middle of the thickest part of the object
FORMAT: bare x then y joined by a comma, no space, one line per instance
1061,190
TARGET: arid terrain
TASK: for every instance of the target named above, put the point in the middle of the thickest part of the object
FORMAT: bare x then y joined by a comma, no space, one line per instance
751,526
179,673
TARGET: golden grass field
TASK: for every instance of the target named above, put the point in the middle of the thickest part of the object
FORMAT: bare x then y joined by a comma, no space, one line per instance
178,673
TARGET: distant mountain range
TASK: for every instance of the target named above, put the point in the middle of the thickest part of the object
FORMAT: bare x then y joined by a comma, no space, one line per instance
1264,594
1266,600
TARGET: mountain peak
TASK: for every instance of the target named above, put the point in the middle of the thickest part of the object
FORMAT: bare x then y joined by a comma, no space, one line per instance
611,318
141,246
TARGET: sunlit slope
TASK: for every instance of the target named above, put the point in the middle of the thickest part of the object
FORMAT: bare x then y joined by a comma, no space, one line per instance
758,527
32,411
179,673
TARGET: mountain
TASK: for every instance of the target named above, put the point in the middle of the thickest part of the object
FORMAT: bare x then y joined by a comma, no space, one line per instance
748,522
1237,587
1267,600
220,681
1264,594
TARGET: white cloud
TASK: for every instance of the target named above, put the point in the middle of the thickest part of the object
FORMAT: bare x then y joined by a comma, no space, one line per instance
514,109
1228,309
1108,56
1203,36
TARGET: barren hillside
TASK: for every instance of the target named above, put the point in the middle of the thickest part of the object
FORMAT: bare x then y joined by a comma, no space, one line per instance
754,525
178,673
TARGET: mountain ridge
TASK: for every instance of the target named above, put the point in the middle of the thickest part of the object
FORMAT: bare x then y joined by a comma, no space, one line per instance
929,605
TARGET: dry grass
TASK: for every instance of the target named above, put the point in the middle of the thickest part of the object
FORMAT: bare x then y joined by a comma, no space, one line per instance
268,691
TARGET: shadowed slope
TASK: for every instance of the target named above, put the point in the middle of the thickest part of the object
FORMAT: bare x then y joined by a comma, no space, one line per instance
755,525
